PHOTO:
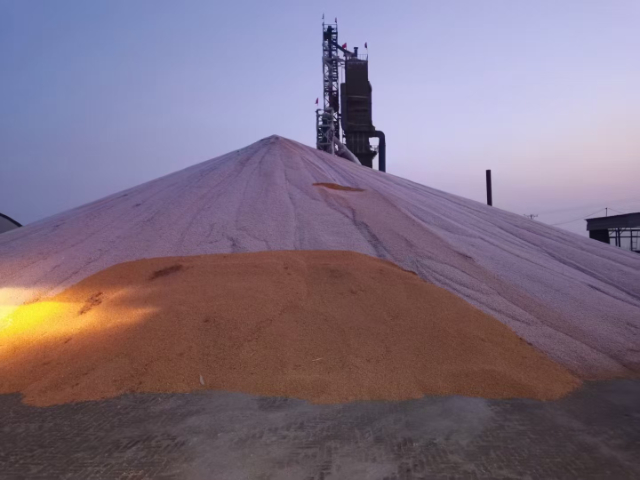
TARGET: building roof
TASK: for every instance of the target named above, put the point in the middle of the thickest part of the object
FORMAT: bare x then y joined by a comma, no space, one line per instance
628,220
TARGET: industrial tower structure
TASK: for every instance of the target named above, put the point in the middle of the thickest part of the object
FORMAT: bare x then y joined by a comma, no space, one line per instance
354,94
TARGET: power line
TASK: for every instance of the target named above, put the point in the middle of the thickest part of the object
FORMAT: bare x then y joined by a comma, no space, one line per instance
610,202
616,210
575,220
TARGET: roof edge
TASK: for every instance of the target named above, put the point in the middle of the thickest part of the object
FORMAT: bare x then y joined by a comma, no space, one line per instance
17,224
626,220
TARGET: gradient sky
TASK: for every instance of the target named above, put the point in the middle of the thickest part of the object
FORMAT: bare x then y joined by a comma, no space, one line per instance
97,96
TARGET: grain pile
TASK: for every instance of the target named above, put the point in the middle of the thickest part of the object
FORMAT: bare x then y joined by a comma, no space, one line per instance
573,298
326,326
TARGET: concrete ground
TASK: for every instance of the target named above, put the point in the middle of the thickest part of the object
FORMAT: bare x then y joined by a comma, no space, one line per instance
592,434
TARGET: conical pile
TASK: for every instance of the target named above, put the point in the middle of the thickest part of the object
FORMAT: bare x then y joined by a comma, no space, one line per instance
571,298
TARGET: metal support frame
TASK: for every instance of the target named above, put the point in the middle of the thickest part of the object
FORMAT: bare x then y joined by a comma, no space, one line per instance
620,234
325,128
328,121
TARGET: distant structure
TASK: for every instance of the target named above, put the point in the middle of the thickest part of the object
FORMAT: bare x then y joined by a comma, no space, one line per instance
620,230
7,223
354,94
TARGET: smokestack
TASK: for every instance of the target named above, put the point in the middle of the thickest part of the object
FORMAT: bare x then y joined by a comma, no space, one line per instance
489,193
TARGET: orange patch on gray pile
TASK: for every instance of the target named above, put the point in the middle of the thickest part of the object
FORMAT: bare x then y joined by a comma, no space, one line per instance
335,186
326,326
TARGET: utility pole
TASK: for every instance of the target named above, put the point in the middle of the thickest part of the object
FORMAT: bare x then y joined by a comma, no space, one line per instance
489,193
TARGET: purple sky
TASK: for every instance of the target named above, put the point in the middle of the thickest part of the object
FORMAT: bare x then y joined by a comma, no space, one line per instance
98,96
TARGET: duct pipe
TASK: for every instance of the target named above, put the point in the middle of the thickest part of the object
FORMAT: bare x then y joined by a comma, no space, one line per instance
382,150
344,152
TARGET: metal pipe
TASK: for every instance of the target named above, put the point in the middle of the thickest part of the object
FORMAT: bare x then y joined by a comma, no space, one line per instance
344,152
489,193
382,150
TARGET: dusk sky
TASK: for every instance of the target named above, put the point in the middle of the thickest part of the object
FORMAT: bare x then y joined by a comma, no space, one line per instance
98,96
